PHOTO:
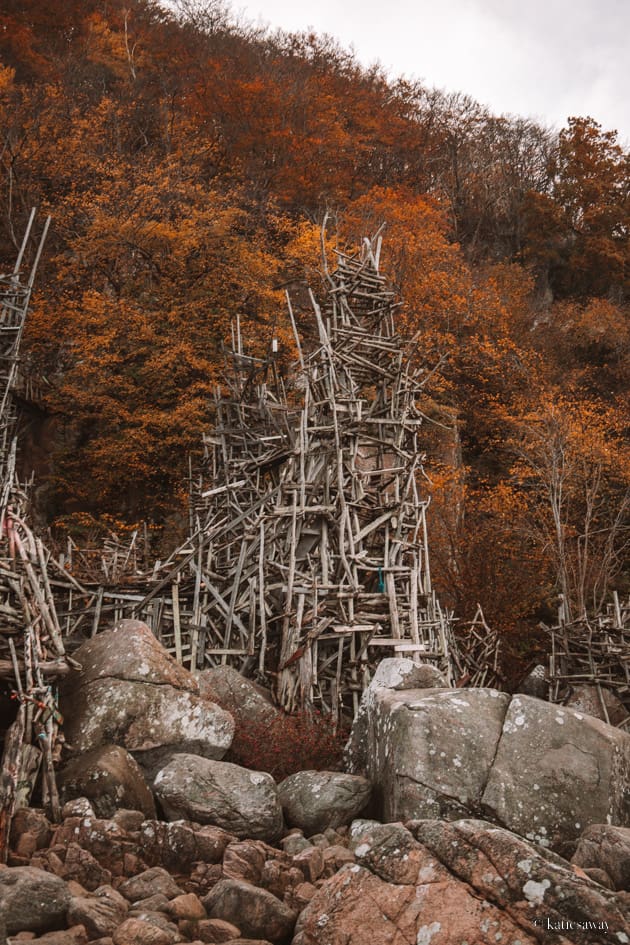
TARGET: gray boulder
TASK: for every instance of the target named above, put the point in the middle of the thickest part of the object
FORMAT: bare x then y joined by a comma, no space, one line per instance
395,673
110,778
32,900
131,692
428,752
315,800
557,771
241,801
247,702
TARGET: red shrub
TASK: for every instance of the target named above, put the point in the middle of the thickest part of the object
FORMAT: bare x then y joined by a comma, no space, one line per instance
299,742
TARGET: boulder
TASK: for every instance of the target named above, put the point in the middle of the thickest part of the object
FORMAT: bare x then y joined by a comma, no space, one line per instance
247,702
130,692
449,883
557,771
526,881
32,900
215,792
607,848
100,914
257,912
544,771
428,752
315,800
110,778
395,673
587,699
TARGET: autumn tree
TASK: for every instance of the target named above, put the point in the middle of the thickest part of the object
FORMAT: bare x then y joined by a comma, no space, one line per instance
579,231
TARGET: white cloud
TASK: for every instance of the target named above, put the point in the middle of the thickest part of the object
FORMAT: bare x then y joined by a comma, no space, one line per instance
546,59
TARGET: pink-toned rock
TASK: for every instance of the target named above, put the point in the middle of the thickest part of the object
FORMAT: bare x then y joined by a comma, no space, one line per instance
606,848
102,838
311,863
30,831
187,906
101,913
245,860
216,931
138,932
149,883
81,867
176,846
77,935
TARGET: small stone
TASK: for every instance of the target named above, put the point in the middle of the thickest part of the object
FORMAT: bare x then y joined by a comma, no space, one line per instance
216,931
138,932
148,883
311,863
187,906
78,807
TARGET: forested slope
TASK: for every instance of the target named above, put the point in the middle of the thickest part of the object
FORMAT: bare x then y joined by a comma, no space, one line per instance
188,164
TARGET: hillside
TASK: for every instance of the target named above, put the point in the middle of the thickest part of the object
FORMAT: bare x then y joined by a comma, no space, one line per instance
189,164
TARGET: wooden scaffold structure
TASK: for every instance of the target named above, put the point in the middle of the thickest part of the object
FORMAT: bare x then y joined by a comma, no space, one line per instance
311,509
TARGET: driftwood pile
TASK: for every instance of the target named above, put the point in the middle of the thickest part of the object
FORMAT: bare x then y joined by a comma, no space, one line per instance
32,653
314,512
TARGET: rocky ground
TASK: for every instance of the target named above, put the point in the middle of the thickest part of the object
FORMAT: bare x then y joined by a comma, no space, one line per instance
162,841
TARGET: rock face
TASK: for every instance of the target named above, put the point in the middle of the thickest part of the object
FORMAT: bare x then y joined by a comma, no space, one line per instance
556,772
544,771
315,800
215,792
32,900
442,883
130,692
110,778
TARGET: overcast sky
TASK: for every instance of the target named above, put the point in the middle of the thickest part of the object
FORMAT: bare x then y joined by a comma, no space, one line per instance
545,59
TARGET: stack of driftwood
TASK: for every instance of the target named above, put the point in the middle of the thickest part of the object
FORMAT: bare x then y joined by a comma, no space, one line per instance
312,505
592,651
32,653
